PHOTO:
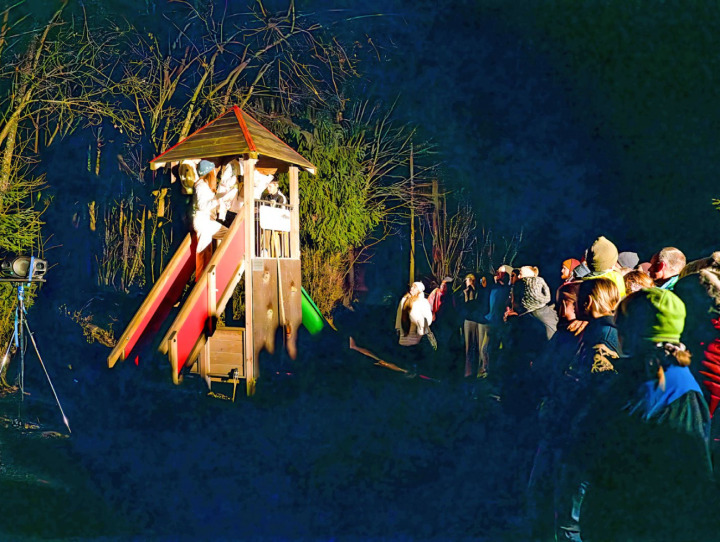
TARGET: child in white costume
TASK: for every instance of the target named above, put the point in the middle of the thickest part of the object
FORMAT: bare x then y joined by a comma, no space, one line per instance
228,190
206,203
211,205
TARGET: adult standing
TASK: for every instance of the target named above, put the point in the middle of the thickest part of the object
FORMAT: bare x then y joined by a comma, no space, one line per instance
646,449
447,328
699,288
476,299
438,296
665,267
602,257
599,346
566,271
499,297
470,329
527,336
413,317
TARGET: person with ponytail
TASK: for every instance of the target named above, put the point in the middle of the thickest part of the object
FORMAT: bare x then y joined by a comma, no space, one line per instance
648,474
650,323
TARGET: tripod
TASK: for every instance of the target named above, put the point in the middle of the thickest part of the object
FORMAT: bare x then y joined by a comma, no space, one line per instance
18,339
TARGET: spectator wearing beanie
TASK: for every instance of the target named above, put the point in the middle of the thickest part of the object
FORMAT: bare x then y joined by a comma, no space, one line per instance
646,444
531,296
602,259
566,271
527,336
627,261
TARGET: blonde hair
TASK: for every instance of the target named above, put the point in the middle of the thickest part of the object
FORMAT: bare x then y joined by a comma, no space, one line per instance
603,292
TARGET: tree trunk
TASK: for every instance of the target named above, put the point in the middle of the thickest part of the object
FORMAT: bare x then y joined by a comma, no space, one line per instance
8,156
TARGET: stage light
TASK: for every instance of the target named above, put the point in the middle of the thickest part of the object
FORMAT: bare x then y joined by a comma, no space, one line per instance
19,267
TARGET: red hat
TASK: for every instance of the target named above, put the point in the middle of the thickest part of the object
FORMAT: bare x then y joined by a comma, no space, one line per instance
571,263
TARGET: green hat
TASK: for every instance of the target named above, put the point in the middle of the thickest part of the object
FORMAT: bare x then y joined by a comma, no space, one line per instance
654,314
602,255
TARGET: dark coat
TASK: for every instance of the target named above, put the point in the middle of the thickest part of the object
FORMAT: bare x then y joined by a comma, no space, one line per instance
525,344
598,348
476,306
645,450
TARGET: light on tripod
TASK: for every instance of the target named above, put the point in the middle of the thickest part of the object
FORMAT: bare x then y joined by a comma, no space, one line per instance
19,267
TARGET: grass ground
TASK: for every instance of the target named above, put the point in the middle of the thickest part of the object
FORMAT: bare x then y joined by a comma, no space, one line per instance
331,447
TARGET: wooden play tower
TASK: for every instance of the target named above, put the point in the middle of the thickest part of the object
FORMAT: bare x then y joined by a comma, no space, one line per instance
272,286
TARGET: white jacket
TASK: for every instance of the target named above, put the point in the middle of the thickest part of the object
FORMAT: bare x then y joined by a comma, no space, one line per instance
420,320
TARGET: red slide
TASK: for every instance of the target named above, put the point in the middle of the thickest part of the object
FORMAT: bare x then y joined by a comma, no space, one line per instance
212,291
158,303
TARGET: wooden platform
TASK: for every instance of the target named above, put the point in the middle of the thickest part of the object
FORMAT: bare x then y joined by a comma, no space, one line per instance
222,357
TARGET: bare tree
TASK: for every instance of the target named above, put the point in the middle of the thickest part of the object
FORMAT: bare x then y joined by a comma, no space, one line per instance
52,81
492,252
56,84
215,61
452,239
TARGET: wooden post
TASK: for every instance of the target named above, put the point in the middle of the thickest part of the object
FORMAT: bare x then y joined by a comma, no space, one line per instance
435,227
294,213
412,217
249,211
436,206
172,347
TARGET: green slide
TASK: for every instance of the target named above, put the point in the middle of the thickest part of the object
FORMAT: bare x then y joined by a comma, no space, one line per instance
312,319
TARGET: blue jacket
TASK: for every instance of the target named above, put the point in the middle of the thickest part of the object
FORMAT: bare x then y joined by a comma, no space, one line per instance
499,297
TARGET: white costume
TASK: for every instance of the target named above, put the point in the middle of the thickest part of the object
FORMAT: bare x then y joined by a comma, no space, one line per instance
260,183
228,190
205,206
209,205
228,180
420,319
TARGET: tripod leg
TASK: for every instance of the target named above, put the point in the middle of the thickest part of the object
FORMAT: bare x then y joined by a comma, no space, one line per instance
32,338
19,319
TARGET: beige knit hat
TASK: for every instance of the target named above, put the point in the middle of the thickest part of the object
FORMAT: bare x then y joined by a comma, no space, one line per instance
602,255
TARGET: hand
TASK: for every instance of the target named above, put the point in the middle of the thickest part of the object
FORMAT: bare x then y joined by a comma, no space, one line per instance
576,327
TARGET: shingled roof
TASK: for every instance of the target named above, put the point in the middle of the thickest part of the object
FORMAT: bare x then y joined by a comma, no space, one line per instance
234,133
